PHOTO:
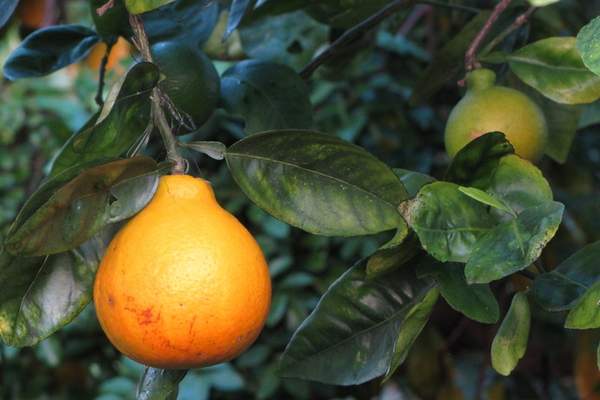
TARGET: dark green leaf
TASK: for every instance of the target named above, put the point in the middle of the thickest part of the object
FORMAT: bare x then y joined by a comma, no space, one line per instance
290,39
159,384
474,163
7,7
413,324
585,314
393,254
448,222
477,302
587,44
510,343
121,123
49,49
317,182
413,181
42,294
239,9
142,6
553,66
349,337
515,244
560,289
267,95
184,21
98,196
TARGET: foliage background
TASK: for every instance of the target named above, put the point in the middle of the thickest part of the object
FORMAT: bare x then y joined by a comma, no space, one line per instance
363,97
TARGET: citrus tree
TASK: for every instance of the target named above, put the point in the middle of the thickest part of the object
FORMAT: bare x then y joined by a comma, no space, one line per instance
118,217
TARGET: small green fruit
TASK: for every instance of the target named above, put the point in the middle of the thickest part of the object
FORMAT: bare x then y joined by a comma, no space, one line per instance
191,80
489,108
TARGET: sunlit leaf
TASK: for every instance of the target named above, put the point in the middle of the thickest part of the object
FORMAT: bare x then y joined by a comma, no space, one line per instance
554,67
510,342
142,6
587,44
514,244
585,314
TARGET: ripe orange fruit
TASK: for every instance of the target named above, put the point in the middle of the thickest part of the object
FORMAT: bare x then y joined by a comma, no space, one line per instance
488,108
120,50
183,284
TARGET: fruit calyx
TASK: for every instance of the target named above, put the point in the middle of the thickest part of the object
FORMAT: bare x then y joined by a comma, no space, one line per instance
480,79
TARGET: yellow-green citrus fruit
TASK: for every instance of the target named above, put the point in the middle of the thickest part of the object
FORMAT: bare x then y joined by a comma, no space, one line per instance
183,284
490,108
191,80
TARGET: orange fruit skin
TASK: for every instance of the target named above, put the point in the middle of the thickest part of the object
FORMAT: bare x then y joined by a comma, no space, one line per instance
183,284
120,50
33,13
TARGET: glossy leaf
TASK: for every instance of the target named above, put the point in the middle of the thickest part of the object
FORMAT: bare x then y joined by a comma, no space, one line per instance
447,222
586,312
185,21
159,384
518,184
510,343
121,123
267,96
542,3
142,6
317,182
474,163
97,197
514,244
476,302
587,44
7,7
413,181
554,67
49,49
413,324
238,10
349,337
485,198
42,294
393,254
560,289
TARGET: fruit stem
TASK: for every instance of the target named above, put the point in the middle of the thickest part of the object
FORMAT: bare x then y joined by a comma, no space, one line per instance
480,79
140,40
102,73
471,54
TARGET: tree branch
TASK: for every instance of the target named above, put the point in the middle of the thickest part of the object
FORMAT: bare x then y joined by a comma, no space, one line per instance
518,22
471,54
351,34
141,42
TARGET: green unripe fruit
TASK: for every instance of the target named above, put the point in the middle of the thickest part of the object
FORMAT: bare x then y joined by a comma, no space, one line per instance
489,108
114,22
190,79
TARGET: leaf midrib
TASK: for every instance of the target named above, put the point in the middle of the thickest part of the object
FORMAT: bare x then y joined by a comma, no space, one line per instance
365,331
369,193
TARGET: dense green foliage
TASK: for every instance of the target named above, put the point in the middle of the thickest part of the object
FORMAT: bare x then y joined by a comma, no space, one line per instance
389,92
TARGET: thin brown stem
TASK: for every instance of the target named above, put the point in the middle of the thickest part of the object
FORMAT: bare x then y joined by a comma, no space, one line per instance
140,40
518,22
105,7
471,54
352,34
102,74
